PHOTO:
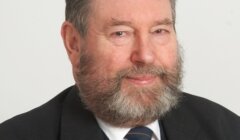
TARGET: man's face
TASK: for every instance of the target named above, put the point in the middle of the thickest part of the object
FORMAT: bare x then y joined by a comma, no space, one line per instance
129,66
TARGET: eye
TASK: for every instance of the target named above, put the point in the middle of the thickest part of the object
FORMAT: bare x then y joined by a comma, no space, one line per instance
161,31
161,34
119,33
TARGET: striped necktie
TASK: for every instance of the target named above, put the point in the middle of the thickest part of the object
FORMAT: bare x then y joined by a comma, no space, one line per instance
139,133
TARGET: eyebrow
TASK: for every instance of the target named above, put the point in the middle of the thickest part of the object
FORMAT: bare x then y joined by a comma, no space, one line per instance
117,22
165,21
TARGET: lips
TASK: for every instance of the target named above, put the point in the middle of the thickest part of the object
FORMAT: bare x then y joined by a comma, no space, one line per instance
141,79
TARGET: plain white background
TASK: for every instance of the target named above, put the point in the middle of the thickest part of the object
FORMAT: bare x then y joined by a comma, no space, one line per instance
34,66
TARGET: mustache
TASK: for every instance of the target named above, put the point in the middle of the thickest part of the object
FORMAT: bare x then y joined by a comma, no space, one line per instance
142,70
170,77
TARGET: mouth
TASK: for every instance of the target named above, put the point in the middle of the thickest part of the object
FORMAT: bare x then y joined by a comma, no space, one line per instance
142,80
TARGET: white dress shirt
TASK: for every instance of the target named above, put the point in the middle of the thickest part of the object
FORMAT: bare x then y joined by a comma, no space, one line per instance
116,133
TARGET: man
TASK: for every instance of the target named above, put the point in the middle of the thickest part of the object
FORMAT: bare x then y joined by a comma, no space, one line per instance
127,65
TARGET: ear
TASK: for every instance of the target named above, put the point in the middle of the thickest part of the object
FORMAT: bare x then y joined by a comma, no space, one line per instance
72,42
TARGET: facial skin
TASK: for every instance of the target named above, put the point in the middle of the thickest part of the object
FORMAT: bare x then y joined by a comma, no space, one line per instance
128,66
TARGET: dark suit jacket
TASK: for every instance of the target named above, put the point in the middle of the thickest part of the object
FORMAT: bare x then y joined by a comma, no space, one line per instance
65,118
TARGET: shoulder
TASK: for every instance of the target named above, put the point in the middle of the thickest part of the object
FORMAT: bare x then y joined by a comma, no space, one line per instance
36,123
211,118
205,107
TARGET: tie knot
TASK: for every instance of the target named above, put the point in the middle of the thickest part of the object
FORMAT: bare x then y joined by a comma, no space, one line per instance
139,133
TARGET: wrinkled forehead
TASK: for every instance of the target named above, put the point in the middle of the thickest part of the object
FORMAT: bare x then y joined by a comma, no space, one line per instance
130,9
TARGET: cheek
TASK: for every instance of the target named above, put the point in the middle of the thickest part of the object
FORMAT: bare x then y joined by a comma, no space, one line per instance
116,61
168,57
109,59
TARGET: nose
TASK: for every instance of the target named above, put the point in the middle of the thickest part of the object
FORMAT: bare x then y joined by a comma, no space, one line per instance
143,52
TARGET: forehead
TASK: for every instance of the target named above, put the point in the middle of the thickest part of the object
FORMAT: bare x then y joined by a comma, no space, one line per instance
131,10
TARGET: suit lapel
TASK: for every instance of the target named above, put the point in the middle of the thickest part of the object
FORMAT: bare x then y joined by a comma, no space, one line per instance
177,129
181,124
78,123
162,131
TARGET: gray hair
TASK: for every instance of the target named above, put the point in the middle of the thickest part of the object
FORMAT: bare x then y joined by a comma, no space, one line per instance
77,12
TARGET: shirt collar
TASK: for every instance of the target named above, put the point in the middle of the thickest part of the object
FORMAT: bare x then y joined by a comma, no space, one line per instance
117,133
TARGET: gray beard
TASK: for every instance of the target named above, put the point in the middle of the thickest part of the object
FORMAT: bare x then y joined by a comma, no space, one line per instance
105,98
